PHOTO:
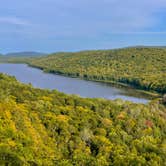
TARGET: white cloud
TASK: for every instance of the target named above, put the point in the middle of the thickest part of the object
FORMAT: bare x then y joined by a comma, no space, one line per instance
87,18
114,15
14,21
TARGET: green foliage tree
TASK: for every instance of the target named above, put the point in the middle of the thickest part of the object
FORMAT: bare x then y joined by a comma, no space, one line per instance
42,127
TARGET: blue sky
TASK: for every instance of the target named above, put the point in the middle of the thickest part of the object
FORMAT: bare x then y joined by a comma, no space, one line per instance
71,25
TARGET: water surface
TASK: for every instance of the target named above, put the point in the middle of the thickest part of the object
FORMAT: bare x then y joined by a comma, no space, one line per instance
68,85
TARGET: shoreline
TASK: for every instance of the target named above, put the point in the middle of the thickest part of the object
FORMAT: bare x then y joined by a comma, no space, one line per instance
148,94
152,94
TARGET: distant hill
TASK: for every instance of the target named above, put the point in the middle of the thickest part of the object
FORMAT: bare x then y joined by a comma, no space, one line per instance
142,46
25,54
144,68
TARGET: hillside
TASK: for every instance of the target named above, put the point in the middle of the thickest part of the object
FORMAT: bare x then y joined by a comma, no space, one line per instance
25,54
144,68
20,56
42,127
144,46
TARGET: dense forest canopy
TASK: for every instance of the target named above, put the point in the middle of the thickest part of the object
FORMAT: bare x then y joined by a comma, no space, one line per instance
43,127
143,68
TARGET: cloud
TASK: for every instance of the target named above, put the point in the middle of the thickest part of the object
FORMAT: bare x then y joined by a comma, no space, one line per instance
62,19
14,21
112,15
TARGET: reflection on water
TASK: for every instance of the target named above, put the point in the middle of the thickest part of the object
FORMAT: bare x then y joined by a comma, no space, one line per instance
69,85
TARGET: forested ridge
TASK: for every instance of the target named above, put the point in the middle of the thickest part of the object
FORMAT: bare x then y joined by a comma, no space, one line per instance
43,127
144,68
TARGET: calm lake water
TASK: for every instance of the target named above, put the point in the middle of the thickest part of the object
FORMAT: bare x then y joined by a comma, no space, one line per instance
68,85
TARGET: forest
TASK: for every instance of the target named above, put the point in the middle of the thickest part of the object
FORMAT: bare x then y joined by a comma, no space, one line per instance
143,68
45,128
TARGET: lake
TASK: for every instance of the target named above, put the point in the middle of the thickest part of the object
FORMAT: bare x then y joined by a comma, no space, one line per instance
68,85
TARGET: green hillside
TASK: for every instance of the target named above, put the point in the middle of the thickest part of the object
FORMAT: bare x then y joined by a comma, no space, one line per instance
42,127
143,68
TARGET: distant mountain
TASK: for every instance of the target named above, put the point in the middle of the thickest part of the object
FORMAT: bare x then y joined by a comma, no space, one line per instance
27,54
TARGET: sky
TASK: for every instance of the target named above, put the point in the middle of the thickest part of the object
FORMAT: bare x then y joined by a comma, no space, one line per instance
72,25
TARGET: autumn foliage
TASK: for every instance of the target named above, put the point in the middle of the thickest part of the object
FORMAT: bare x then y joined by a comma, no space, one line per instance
42,127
